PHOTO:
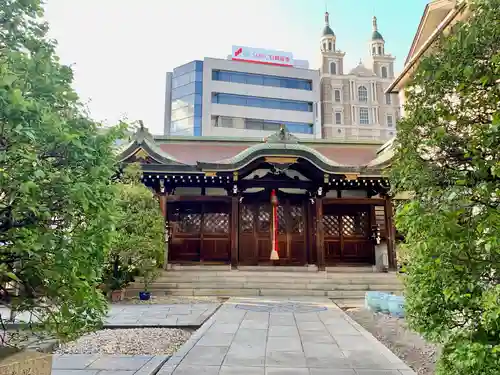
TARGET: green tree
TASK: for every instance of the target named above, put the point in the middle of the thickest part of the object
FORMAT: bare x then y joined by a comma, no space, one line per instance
57,211
448,154
138,247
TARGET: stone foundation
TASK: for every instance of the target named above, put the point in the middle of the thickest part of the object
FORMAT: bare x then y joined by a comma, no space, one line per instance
26,363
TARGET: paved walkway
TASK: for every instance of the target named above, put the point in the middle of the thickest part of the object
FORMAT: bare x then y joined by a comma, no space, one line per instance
84,364
283,336
147,315
178,315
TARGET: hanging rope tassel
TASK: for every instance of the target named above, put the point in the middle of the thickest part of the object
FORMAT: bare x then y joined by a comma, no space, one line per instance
274,250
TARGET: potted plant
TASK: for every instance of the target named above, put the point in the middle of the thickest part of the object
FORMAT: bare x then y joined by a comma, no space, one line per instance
150,272
117,277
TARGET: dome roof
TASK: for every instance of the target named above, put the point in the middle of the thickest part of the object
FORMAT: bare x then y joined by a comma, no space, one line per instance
327,30
377,36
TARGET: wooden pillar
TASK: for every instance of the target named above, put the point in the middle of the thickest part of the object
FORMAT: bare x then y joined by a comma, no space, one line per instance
163,207
235,213
390,233
309,238
320,243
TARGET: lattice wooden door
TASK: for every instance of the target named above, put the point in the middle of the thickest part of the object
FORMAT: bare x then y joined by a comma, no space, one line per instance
347,234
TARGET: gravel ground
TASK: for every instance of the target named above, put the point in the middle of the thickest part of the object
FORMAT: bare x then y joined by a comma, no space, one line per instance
171,300
394,333
134,341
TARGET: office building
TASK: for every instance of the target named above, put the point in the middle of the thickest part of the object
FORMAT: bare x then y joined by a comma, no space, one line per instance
250,94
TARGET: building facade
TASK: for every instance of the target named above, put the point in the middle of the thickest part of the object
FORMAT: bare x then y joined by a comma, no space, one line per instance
354,104
438,19
243,98
280,200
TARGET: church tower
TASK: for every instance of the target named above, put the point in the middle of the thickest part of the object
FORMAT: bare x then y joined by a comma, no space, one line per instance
332,59
382,63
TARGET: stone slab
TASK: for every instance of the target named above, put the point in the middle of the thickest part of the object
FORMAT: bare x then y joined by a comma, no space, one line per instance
83,364
154,315
282,335
179,315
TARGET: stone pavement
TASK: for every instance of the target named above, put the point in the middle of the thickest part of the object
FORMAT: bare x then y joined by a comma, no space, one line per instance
282,336
147,315
155,315
85,364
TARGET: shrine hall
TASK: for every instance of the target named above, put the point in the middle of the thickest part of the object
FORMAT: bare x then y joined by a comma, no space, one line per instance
278,201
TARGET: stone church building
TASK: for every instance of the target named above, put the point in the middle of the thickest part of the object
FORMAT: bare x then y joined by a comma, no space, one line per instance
353,103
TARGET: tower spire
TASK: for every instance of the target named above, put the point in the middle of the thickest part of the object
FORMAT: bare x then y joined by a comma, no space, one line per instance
375,28
327,19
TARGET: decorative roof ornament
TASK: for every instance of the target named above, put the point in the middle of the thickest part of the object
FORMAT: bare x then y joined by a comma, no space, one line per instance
282,136
376,35
327,30
143,134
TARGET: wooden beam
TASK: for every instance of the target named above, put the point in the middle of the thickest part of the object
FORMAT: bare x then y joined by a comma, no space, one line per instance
235,213
320,238
198,198
370,201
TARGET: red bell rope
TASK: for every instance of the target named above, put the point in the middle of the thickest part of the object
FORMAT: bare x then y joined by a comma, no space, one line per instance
274,202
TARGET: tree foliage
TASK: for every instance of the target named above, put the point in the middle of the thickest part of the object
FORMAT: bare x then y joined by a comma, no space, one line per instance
448,154
57,211
138,246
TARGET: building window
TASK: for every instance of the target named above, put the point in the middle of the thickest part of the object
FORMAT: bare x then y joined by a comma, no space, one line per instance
379,50
390,122
333,68
384,72
388,99
186,101
363,116
254,101
337,95
362,94
262,80
338,118
329,46
224,122
272,126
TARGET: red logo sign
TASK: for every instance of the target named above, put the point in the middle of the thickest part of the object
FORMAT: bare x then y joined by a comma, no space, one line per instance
238,52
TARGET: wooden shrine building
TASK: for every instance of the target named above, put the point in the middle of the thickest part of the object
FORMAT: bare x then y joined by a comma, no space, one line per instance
332,203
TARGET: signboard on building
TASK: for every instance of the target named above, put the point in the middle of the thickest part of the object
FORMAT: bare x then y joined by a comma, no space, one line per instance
262,56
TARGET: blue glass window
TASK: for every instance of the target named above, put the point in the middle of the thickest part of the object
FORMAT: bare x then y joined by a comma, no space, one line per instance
252,101
262,80
187,92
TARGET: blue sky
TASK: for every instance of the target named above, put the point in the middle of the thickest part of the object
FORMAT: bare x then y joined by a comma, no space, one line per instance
121,49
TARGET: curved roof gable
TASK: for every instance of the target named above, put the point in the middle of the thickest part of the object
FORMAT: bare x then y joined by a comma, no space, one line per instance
144,144
282,143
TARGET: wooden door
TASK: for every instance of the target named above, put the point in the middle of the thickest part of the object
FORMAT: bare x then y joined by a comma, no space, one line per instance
200,232
215,236
254,233
292,232
185,223
347,234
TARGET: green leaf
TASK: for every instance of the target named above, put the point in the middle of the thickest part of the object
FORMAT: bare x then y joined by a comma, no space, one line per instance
12,276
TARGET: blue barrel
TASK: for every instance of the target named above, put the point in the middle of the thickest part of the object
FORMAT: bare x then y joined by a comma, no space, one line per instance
373,300
384,302
396,306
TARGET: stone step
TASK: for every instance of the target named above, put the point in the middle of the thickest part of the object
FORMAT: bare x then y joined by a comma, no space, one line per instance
229,292
282,274
274,280
268,285
278,269
200,267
